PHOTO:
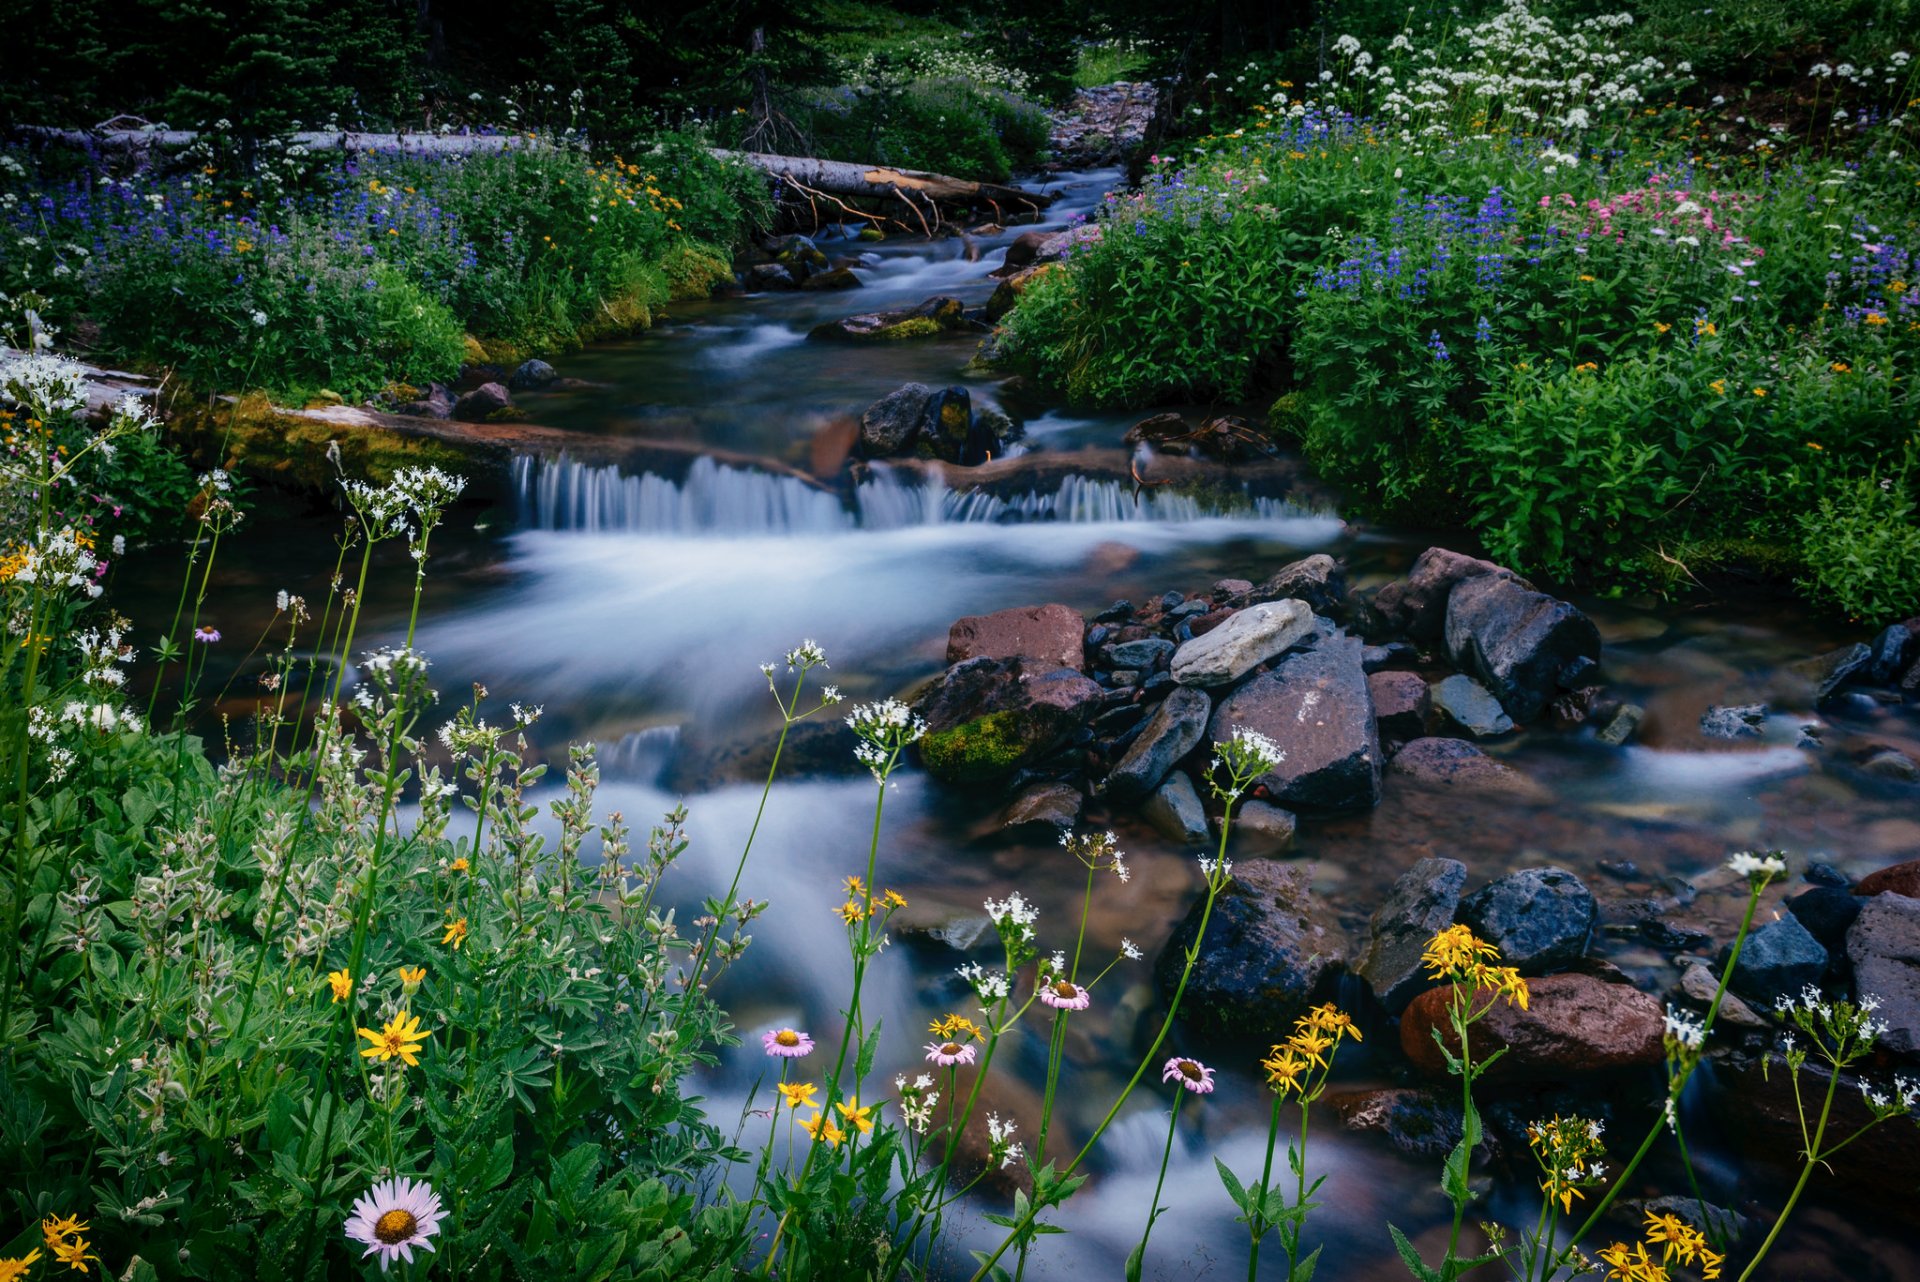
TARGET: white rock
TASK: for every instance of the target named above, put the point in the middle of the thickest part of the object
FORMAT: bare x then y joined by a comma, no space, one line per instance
1244,641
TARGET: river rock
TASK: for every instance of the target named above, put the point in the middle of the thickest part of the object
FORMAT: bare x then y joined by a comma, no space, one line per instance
1314,705
1177,727
1835,668
1421,1121
1470,708
923,320
1744,721
1698,983
1884,946
1539,918
1175,811
1778,960
531,376
1620,725
1260,829
1523,645
1457,764
1574,1024
1401,702
890,424
987,718
1145,653
437,403
1758,1108
1042,806
1319,580
1047,634
482,403
1826,912
838,278
1420,905
770,276
1892,649
1891,763
1243,642
1417,604
1269,953
1899,879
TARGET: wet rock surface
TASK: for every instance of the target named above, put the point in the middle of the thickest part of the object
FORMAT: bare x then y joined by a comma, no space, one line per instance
1574,1025
1468,708
1247,639
1314,704
1777,960
1884,946
1539,918
987,718
1524,646
1420,905
1049,635
1176,728
1417,604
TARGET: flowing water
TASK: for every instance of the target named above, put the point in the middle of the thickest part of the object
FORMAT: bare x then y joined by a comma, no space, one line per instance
637,609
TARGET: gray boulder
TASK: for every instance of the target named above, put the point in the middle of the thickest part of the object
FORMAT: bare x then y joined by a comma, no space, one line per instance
1175,811
1417,604
1884,946
1318,580
1041,807
1144,654
482,403
1891,649
1745,721
1420,905
1539,918
531,376
1468,707
1523,645
1778,960
1260,829
889,424
1401,702
1177,727
1246,640
1835,668
1314,704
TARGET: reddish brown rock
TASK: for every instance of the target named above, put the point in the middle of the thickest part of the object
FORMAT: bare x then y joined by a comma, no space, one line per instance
1417,604
1049,634
1901,879
1400,704
1456,765
1573,1024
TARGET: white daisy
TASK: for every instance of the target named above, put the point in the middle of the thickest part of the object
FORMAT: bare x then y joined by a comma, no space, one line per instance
394,1217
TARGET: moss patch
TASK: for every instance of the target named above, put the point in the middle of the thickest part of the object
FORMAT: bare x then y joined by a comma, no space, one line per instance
976,751
258,439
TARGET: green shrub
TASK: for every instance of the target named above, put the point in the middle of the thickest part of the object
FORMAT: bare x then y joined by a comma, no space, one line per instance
1861,544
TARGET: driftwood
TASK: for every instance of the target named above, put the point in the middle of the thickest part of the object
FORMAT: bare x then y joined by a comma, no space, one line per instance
142,140
923,193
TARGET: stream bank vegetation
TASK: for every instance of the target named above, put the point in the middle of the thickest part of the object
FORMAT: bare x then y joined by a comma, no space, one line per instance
1519,276
351,999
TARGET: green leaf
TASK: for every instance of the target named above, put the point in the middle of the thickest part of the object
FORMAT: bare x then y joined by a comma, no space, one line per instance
1305,1272
1135,1260
1411,1258
1235,1189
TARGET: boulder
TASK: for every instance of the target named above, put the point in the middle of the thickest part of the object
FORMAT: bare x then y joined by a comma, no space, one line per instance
770,276
838,278
1422,1121
1759,1107
437,403
1401,702
889,425
1246,640
1458,765
1270,952
1884,946
1698,983
1826,912
1260,829
1745,721
1835,668
1892,649
1891,763
1146,654
1177,727
1574,1024
1620,724
1314,705
482,403
1319,580
1175,811
1468,707
1899,879
1778,960
1043,806
1417,604
1523,645
531,376
1006,295
935,316
1050,635
1539,918
987,718
1419,906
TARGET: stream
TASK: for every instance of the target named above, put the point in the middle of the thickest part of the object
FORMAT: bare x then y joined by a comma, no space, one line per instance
637,609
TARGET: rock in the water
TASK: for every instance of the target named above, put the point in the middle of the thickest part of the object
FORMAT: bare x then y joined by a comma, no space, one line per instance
437,403
1260,829
1574,1024
763,276
1457,764
1270,952
1884,947
1899,879
482,403
1891,763
1314,705
1144,654
1621,725
838,278
1470,708
1318,580
1539,918
1699,983
1835,668
1044,805
531,376
1743,721
1525,646
1778,960
1050,635
1175,811
1420,905
923,320
1896,644
987,718
1401,702
1177,727
1243,642
1417,604
1424,1122
1826,912
890,424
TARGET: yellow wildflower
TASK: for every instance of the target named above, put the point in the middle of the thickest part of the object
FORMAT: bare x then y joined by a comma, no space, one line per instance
342,983
857,1117
15,1267
459,865
410,977
74,1254
799,1094
400,1037
456,933
1456,951
1284,1069
821,1127
950,1026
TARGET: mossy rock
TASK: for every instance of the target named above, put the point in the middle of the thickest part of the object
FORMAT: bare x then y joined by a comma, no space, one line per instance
872,233
256,438
693,270
981,750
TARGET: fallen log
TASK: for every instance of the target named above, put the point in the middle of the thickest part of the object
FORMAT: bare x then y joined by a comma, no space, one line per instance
144,140
920,189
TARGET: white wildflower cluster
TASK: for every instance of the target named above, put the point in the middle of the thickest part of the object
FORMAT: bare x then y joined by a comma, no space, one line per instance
1001,1146
396,674
1129,949
1216,868
1758,869
46,385
943,61
807,654
65,560
885,728
917,1101
989,986
1098,852
1013,914
1684,1033
1245,757
1840,1031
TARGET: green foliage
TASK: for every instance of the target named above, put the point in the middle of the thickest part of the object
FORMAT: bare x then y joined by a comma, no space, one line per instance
1861,544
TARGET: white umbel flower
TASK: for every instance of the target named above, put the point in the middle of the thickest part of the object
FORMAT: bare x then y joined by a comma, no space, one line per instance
394,1217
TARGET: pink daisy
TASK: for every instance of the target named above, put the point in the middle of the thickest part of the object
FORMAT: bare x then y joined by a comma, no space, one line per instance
787,1043
947,1054
393,1218
1064,994
1190,1073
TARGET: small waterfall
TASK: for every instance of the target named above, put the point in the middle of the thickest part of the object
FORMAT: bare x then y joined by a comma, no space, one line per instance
565,495
641,756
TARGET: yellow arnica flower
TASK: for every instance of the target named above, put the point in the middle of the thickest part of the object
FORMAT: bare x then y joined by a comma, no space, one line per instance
1332,1020
857,1117
821,1127
1457,951
16,1266
459,865
949,1027
400,1037
799,1094
456,933
74,1254
342,984
1284,1069
410,976
57,1230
